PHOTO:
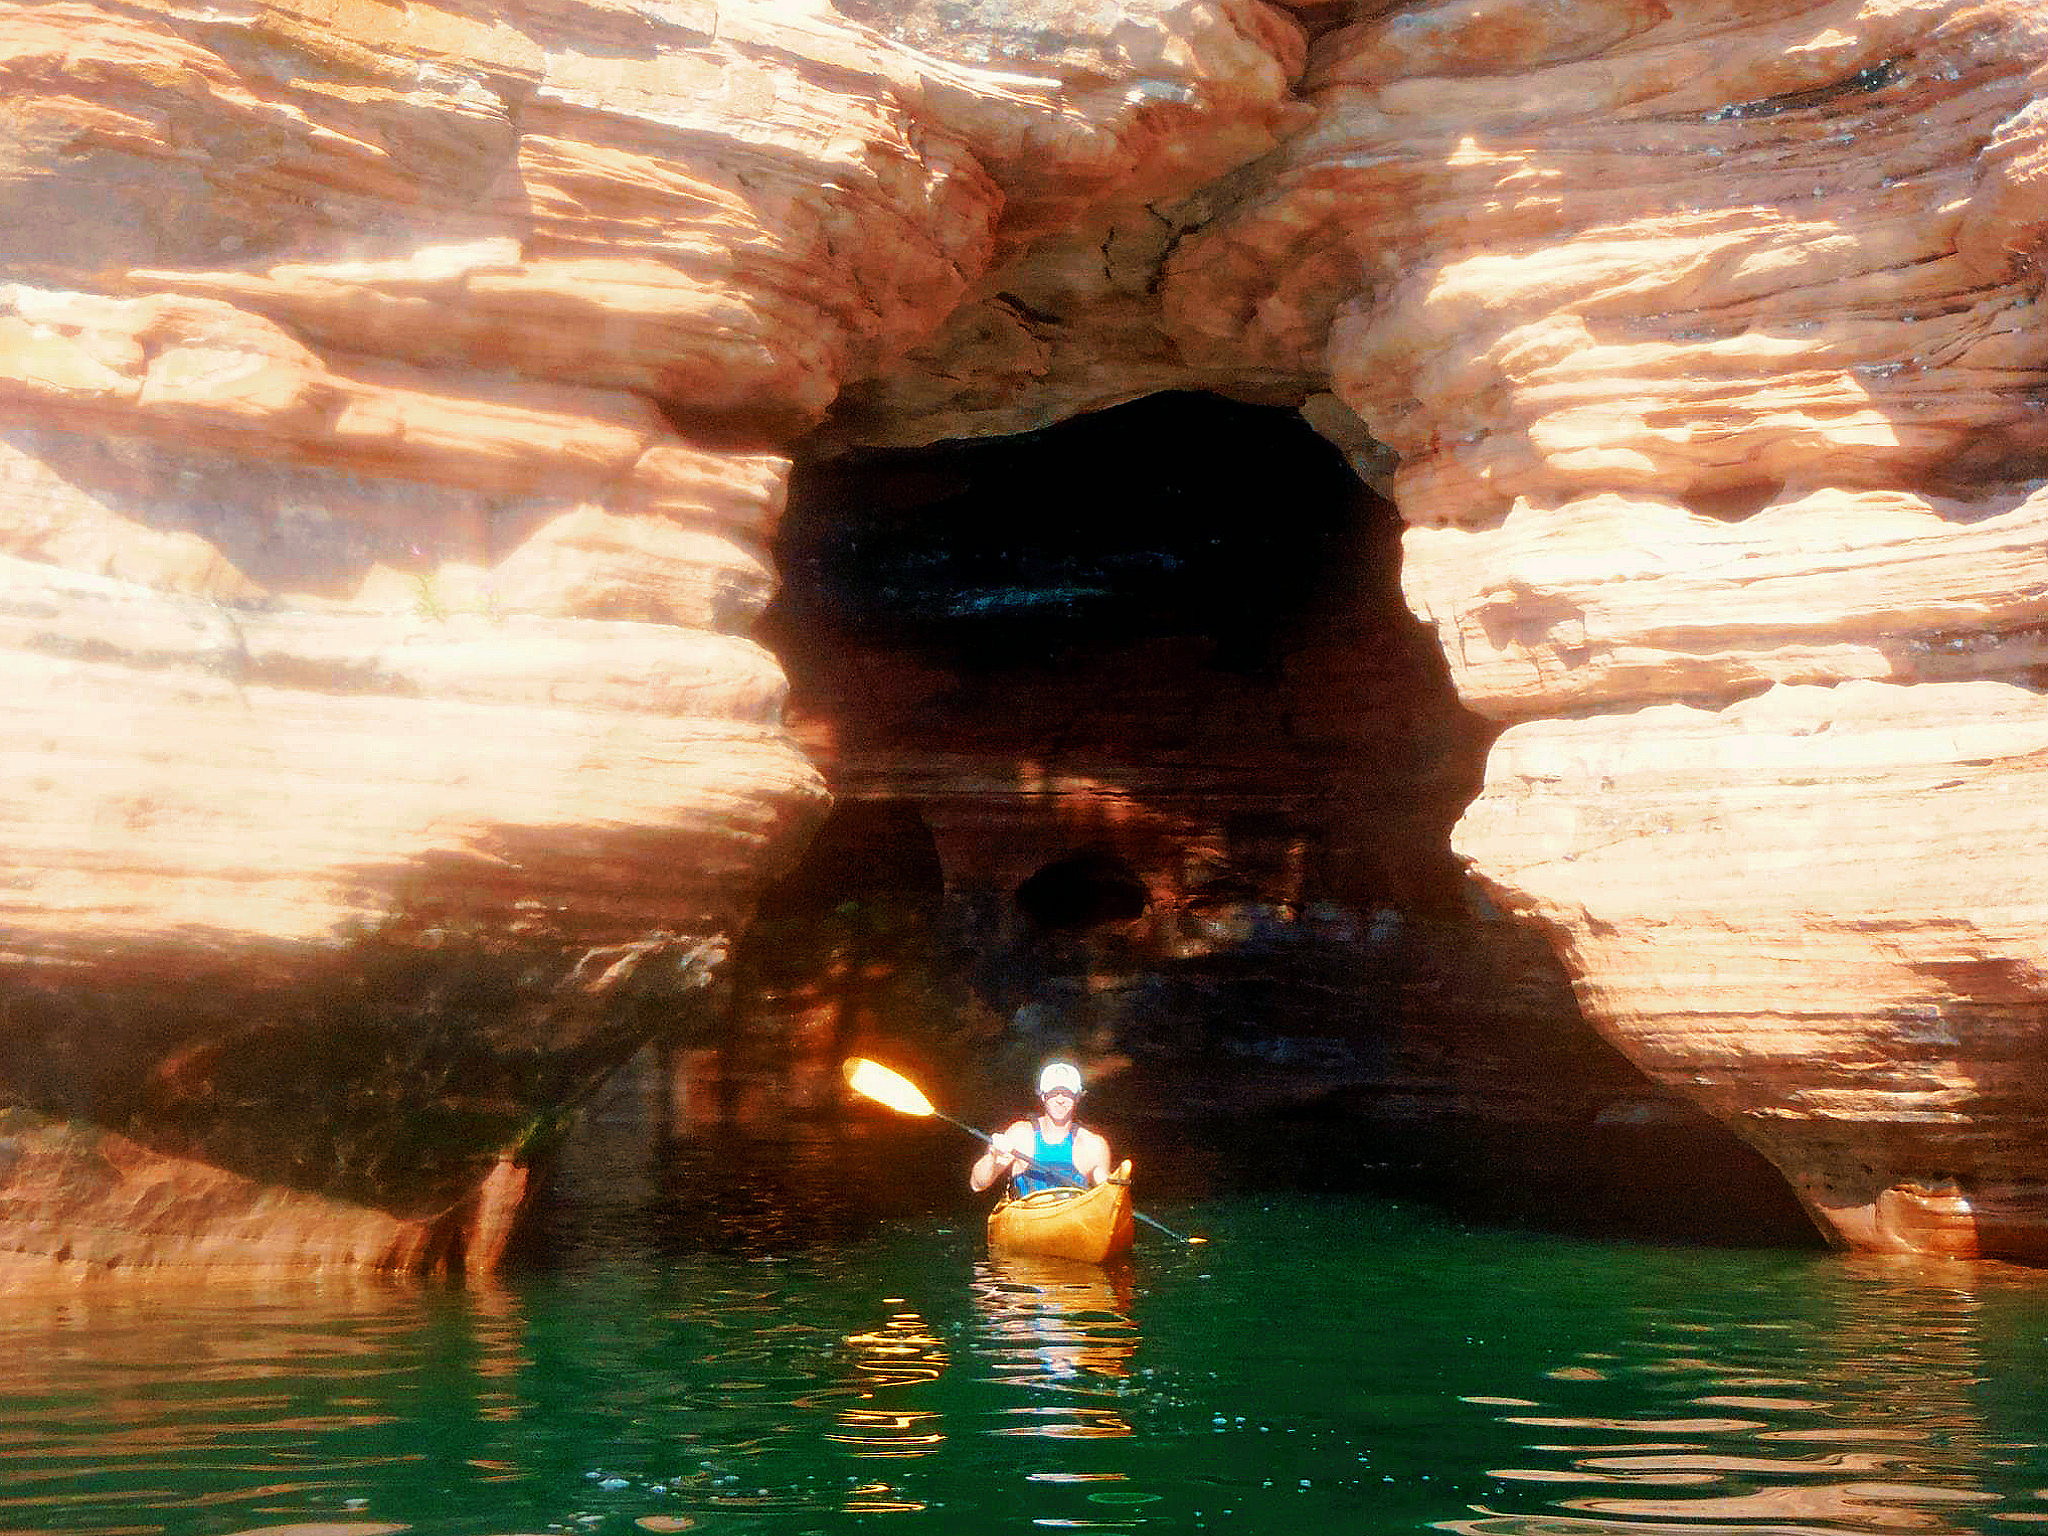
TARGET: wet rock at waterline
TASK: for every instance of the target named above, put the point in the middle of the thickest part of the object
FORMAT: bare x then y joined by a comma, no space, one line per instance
394,422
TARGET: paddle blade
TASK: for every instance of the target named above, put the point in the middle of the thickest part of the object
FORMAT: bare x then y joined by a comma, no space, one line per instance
872,1080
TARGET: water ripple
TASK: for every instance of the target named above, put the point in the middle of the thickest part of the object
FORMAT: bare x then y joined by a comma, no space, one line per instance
1330,1367
1061,1329
1903,1448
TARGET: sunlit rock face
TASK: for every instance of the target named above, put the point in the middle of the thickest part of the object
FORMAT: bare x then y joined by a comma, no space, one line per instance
392,414
1699,347
1708,340
395,407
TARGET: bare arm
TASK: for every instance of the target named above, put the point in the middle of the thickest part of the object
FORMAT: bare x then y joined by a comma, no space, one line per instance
1091,1156
1001,1159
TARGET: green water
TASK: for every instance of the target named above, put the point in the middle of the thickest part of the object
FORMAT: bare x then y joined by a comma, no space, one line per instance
1326,1363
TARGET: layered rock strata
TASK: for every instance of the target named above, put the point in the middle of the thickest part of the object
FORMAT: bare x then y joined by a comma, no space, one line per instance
1700,348
391,405
394,405
1729,500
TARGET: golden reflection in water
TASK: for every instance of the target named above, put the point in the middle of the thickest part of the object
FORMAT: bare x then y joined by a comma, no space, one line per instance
901,1354
134,1380
1862,1424
1063,1329
324,1528
879,1499
498,1324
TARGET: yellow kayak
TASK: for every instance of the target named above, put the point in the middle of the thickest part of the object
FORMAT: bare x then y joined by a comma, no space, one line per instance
1086,1224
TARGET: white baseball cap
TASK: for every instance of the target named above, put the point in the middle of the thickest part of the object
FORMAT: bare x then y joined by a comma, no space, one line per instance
1058,1075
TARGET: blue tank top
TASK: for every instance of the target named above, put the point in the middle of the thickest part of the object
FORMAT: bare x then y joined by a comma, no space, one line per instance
1056,1155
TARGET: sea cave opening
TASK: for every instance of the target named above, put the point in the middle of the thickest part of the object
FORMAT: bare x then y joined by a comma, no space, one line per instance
1138,756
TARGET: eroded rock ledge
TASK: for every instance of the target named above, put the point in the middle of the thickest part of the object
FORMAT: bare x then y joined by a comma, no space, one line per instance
395,403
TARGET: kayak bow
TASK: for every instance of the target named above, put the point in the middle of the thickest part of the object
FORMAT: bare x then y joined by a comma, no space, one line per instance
1090,1225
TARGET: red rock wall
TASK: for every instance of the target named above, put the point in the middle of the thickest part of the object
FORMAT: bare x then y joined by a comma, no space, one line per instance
1699,346
388,745
1708,342
392,416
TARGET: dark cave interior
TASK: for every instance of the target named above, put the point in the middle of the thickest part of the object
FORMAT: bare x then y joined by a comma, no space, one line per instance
1138,756
1105,531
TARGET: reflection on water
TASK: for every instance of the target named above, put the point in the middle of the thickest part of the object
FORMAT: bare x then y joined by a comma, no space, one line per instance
100,1388
1334,1365
1053,1326
1875,1429
1056,1332
900,1355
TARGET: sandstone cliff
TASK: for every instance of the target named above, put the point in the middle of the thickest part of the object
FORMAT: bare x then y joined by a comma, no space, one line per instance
1699,347
395,404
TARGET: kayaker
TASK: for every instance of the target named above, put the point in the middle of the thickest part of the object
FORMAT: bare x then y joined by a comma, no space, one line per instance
1077,1156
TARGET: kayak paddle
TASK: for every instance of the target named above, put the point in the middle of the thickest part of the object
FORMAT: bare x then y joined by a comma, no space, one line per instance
872,1080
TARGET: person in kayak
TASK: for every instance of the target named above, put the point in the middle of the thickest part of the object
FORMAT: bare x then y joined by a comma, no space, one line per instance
1077,1156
